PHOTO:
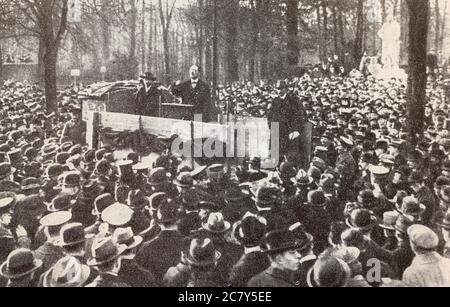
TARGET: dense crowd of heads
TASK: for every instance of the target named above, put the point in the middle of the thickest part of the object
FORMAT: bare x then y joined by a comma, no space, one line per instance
369,199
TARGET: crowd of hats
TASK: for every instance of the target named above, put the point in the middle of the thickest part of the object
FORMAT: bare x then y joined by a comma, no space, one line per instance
364,174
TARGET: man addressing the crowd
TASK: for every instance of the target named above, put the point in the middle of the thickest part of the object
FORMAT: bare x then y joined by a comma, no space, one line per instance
197,93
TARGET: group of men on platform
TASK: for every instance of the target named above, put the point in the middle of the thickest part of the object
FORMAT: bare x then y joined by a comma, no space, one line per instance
74,216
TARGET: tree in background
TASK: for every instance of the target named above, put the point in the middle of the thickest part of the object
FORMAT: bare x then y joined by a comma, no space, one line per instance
48,19
417,78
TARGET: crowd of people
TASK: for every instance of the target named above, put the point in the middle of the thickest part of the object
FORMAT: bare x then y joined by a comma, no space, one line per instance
74,216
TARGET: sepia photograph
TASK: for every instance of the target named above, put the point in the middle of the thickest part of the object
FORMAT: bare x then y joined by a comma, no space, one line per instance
235,145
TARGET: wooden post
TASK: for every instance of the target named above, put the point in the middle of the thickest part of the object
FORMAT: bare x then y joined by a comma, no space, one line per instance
92,136
192,145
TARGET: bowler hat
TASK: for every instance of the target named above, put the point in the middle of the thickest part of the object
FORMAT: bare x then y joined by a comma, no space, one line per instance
61,203
158,176
31,184
361,219
105,251
72,234
184,180
71,180
234,193
20,262
329,272
137,199
156,200
52,171
250,230
287,170
102,202
267,197
15,157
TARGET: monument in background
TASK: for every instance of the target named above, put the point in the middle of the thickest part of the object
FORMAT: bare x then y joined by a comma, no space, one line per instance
390,34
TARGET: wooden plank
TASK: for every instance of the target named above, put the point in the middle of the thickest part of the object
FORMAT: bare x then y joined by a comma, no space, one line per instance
165,127
119,122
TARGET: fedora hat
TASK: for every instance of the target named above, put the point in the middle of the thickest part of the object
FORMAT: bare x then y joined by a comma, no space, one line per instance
104,250
68,272
169,211
305,240
158,176
20,262
250,230
61,203
125,236
412,207
402,224
56,219
202,253
316,198
329,272
361,219
302,178
184,180
389,220
279,241
72,234
267,197
234,193
216,223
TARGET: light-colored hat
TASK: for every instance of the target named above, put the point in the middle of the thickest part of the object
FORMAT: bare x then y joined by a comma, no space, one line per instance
423,237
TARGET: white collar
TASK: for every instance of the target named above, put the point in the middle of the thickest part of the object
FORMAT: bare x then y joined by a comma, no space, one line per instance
284,96
249,250
195,81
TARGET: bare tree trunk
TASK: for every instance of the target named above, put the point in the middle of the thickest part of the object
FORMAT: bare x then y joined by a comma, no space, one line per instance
150,40
443,26
325,28
143,37
254,47
359,40
106,36
231,19
292,34
41,52
437,33
383,11
417,79
133,38
335,31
